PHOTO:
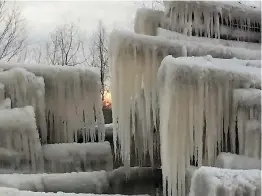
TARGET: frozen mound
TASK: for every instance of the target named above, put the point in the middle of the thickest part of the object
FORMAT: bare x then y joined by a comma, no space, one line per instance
5,104
234,161
179,36
134,61
215,181
24,88
72,99
225,20
195,111
16,192
69,157
247,106
82,182
19,133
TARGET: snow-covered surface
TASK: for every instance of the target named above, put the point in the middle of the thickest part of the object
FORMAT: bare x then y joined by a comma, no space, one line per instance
246,106
5,104
234,161
195,93
19,133
178,36
82,182
24,88
69,92
69,157
15,192
214,19
147,21
134,61
215,181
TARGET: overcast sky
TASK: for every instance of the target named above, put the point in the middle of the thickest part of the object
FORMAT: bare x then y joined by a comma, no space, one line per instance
43,16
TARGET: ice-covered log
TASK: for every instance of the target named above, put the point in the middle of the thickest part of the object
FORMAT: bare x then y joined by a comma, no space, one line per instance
73,157
147,21
134,60
226,20
81,182
24,88
234,161
178,36
246,106
19,133
5,104
2,91
73,100
215,181
195,96
15,192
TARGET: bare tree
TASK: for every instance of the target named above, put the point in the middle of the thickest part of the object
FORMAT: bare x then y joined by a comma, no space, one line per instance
99,54
12,31
64,46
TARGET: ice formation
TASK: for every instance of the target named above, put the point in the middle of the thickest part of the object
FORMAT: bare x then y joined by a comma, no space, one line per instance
69,157
178,36
24,88
226,20
247,106
5,104
234,161
134,61
215,181
73,101
19,133
147,21
16,192
82,182
198,89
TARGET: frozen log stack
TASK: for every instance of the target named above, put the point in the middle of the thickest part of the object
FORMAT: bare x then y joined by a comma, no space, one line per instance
247,119
137,58
19,141
234,161
15,192
222,20
72,101
76,157
24,88
199,89
215,181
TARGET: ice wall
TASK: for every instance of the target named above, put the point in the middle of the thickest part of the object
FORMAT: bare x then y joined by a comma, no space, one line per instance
19,135
195,96
72,100
24,88
134,60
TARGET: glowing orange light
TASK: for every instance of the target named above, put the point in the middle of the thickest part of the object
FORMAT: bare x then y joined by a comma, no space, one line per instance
107,99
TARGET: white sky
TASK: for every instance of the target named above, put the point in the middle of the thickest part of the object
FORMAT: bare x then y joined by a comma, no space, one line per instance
43,16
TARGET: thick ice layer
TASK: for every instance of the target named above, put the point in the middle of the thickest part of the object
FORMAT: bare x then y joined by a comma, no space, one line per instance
147,21
247,106
24,88
178,36
5,104
134,60
69,157
72,99
214,20
234,161
215,181
82,182
195,96
19,133
15,192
